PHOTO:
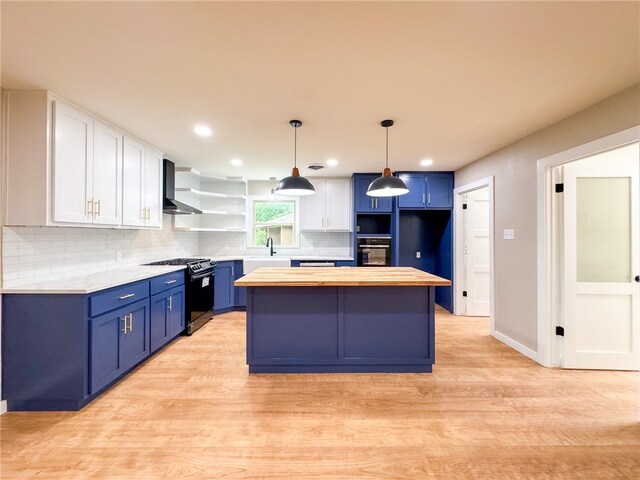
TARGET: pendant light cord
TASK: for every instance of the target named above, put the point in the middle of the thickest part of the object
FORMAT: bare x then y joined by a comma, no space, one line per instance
387,142
295,147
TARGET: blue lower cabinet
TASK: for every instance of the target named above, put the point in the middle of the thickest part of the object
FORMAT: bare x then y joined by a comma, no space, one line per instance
166,317
240,292
61,351
223,292
119,340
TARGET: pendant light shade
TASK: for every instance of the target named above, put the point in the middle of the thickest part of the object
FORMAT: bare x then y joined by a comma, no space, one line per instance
387,185
295,185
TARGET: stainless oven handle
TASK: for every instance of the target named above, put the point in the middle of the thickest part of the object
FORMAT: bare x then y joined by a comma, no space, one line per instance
374,246
198,277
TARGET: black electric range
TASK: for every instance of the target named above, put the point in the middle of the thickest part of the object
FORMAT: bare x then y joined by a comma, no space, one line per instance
199,278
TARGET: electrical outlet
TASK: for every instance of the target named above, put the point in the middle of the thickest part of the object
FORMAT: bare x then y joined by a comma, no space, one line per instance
417,254
509,234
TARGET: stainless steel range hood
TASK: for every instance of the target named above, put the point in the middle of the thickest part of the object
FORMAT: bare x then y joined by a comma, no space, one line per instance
169,203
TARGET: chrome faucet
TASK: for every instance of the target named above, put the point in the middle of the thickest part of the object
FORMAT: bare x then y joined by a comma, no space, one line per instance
270,244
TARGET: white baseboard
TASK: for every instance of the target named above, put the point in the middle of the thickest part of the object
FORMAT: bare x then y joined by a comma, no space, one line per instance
3,407
526,351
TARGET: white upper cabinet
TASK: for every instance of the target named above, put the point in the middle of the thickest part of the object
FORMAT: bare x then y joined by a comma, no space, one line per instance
330,208
134,211
107,175
72,165
142,180
153,187
65,167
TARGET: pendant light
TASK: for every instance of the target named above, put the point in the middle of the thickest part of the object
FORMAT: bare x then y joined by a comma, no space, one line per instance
387,185
295,185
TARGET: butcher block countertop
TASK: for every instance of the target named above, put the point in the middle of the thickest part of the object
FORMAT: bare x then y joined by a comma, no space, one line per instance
339,277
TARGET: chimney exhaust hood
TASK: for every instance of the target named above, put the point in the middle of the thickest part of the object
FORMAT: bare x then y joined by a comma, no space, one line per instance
170,205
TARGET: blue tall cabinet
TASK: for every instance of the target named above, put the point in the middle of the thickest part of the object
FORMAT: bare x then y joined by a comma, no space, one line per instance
418,223
422,228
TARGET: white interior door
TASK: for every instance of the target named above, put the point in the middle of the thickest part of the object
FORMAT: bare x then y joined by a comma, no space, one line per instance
477,253
601,301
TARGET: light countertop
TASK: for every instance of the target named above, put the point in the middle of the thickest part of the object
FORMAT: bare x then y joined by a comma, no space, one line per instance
96,281
317,258
339,276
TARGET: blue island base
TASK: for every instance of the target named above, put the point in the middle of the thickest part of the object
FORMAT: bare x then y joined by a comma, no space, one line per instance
340,329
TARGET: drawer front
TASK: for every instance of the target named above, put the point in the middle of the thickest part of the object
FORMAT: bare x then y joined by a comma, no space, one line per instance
165,282
118,297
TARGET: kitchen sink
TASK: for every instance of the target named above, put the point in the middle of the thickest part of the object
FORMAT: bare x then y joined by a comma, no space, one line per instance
249,264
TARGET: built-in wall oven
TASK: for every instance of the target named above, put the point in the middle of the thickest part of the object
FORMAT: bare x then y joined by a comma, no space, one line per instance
374,251
198,298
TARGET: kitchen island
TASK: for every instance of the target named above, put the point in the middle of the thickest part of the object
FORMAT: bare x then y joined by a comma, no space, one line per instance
344,319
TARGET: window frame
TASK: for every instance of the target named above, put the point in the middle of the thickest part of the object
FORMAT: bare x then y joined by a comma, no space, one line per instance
251,199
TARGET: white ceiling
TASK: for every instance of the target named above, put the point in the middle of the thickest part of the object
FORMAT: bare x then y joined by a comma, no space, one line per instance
460,79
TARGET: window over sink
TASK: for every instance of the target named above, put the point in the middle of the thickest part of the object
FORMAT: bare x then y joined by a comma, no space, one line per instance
272,218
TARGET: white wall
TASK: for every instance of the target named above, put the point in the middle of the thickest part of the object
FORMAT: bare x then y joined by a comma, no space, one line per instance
514,169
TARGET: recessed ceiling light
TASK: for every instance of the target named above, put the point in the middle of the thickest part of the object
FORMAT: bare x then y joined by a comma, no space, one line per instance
202,130
426,162
332,162
236,162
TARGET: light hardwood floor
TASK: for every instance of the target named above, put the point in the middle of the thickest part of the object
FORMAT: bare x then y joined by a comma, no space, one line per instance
193,411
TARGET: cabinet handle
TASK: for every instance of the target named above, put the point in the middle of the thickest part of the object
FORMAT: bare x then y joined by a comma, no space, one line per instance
90,207
376,200
97,206
327,222
429,199
131,322
124,324
170,282
148,214
371,202
128,295
144,214
170,303
423,199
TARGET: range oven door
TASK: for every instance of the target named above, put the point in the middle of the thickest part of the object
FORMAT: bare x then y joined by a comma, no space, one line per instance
199,296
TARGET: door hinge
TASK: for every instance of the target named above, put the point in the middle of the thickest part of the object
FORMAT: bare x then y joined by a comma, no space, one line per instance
464,206
559,187
464,293
560,331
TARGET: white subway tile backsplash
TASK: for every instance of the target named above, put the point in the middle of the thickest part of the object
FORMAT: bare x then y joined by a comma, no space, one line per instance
32,254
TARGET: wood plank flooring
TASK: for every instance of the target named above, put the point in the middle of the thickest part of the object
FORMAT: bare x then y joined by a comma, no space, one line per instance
193,411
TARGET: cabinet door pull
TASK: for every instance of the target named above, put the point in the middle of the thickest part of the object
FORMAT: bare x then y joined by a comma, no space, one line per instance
128,295
429,199
144,214
423,199
170,282
170,303
148,214
97,207
327,222
90,207
124,324
131,322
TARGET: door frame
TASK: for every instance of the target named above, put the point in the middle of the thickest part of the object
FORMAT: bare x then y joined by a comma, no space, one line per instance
548,303
458,246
